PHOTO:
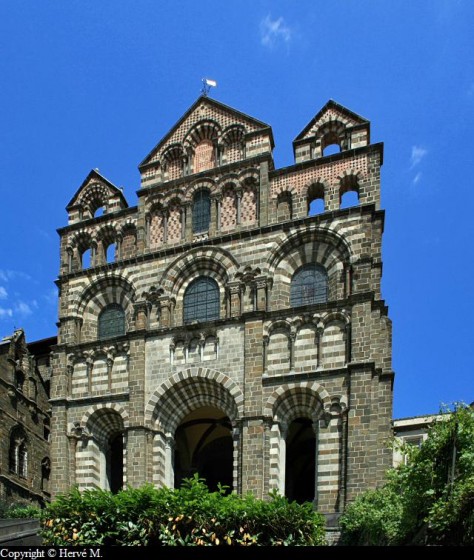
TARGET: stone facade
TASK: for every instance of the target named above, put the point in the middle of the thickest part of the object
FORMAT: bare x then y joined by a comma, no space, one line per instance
25,463
223,326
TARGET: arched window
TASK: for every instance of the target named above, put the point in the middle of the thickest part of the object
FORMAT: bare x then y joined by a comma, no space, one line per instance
86,259
309,285
315,199
111,321
201,211
201,300
18,456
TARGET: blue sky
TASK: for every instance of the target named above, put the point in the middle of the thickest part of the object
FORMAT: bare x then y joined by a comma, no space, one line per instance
88,84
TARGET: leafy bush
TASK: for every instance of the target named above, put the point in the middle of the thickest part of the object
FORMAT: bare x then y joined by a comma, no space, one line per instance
188,516
430,500
18,510
373,519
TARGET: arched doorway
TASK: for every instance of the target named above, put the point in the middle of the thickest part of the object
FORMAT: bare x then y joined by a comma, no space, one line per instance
103,454
300,461
203,445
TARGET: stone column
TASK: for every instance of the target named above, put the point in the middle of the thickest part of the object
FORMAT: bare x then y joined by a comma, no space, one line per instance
238,194
266,341
234,294
260,286
282,460
141,315
165,311
319,342
236,459
169,461
213,217
348,343
147,230
165,226
263,194
182,213
343,464
347,280
189,225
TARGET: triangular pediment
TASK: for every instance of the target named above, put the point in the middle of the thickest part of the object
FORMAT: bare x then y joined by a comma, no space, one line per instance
205,110
95,180
332,111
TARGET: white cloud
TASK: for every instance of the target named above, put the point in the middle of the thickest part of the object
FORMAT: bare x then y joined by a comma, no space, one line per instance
417,178
5,312
417,154
3,293
6,275
274,30
23,308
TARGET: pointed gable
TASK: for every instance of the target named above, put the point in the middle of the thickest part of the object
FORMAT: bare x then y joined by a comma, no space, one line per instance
333,124
208,134
95,192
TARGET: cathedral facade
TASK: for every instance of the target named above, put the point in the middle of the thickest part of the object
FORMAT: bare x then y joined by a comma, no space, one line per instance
231,324
25,463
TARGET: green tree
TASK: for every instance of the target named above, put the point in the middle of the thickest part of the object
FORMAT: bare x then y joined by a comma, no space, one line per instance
430,499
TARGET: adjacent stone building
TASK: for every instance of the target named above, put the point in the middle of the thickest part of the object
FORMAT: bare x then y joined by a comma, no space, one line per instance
25,462
231,324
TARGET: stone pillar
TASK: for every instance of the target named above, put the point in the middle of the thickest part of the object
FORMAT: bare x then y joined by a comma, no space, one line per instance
235,297
263,194
347,280
292,349
169,461
253,433
343,461
182,213
136,432
218,211
165,226
60,452
70,372
260,286
118,248
213,227
266,341
165,311
90,367
316,428
72,448
348,343
141,315
236,459
282,460
238,194
189,225
110,362
147,231
319,342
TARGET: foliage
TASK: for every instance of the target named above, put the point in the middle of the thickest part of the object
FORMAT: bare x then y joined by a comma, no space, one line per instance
15,510
188,516
373,519
430,499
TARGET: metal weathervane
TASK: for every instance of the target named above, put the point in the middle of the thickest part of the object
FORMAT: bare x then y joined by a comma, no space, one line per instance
206,86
